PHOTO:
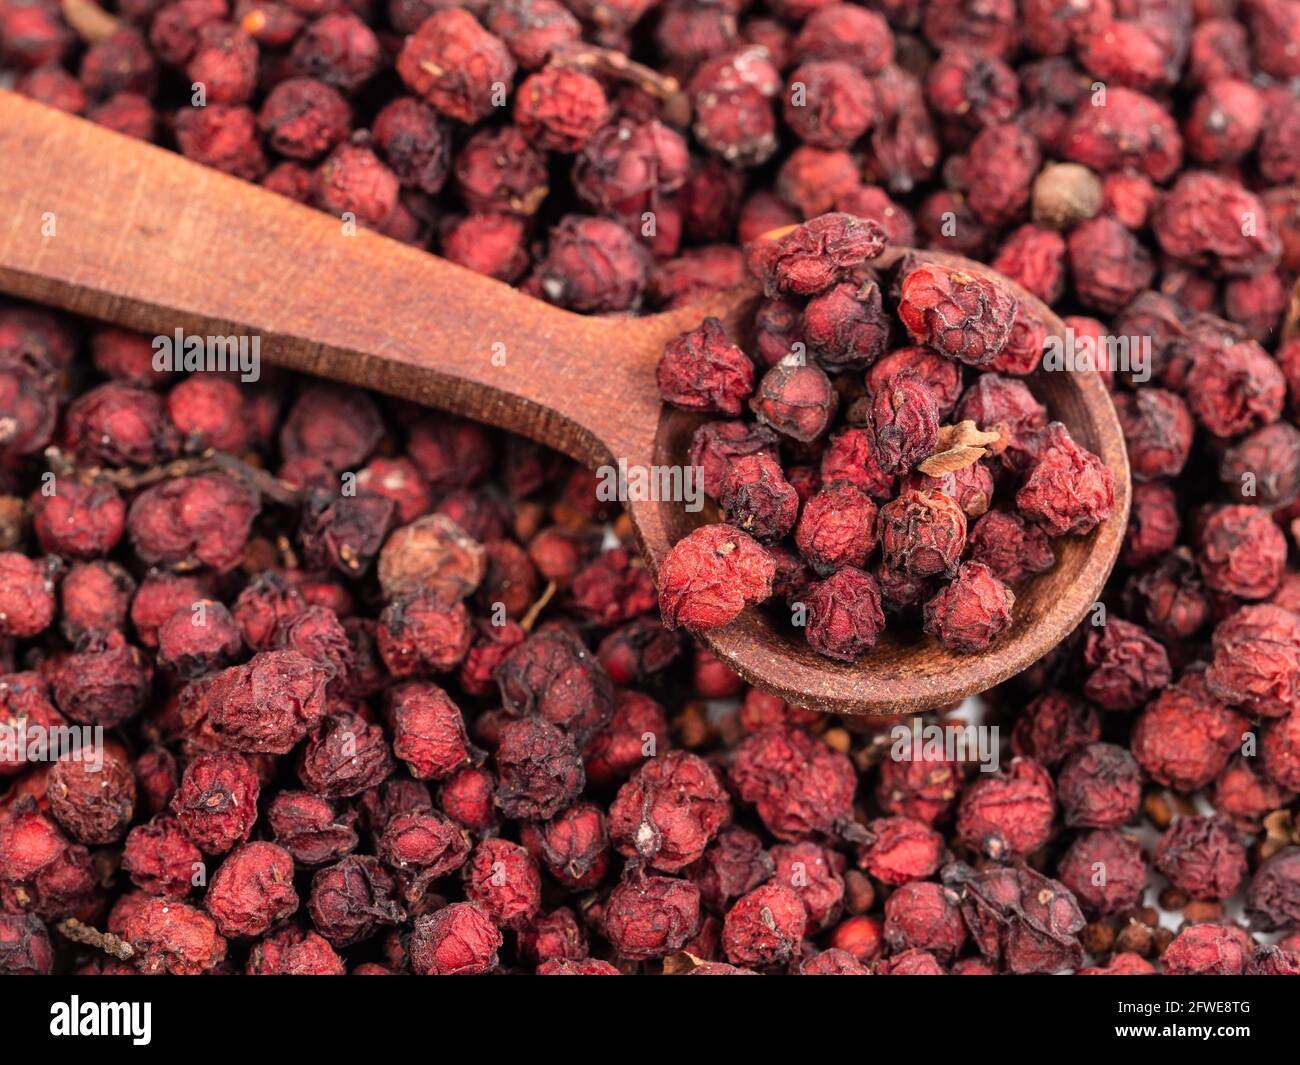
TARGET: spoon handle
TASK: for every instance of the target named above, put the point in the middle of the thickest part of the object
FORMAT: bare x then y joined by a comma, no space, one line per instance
110,227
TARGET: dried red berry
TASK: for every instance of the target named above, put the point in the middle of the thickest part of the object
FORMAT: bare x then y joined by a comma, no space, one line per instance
701,370
971,612
799,786
669,811
711,575
964,317
172,937
216,802
765,926
1009,813
1069,489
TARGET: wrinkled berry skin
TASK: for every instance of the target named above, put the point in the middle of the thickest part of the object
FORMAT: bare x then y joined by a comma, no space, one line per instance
702,370
503,878
905,421
351,899
846,325
837,528
174,938
387,688
420,846
1020,920
574,845
421,634
845,618
593,265
25,948
252,890
554,675
1120,856
969,614
1204,950
1127,665
120,425
1256,661
1184,737
453,63
1011,548
294,951
923,534
26,595
764,927
711,575
266,705
758,499
310,827
458,940
189,521
198,640
652,916
96,597
79,520
428,731
1069,489
1200,222
344,755
1202,856
93,805
1242,552
105,682
966,318
539,770
925,916
1099,786
799,786
216,802
1008,813
796,399
41,870
815,255
669,811
1272,900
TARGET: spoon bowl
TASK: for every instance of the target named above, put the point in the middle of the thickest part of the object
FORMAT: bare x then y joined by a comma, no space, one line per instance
125,232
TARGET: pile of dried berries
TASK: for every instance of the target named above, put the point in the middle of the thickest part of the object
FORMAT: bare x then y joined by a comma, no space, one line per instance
376,695
929,432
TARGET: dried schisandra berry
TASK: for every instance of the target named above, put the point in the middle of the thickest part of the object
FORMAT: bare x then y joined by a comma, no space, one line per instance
813,256
971,612
711,575
652,916
458,940
1008,813
381,698
964,317
669,811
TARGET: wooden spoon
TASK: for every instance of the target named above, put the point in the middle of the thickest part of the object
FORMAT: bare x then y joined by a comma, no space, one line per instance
108,227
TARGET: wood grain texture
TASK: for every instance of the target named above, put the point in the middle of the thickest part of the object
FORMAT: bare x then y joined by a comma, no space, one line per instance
146,239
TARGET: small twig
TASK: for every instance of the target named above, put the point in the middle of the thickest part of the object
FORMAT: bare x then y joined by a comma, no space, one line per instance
530,619
114,946
288,559
208,462
91,22
615,65
271,487
1291,320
